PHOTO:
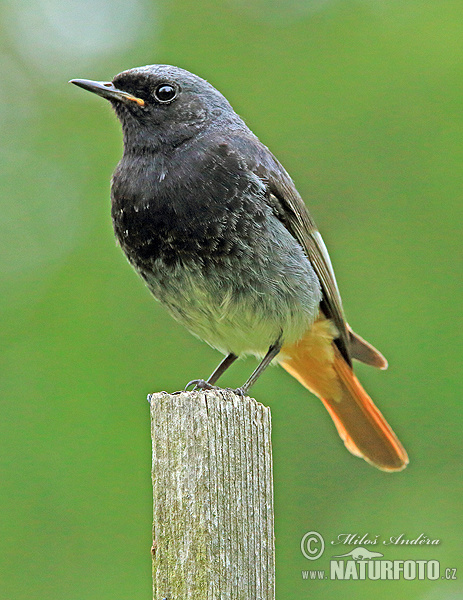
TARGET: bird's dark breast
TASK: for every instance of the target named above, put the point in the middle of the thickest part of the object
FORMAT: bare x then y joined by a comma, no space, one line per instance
200,208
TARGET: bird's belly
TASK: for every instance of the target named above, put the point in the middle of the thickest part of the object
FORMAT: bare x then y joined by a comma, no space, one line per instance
241,307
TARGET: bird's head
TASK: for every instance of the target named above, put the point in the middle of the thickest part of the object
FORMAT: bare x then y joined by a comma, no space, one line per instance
161,105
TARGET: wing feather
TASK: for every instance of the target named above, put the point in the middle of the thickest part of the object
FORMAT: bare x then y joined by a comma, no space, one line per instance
290,209
301,225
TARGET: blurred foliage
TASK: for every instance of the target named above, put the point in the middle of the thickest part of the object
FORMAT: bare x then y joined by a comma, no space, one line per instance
362,102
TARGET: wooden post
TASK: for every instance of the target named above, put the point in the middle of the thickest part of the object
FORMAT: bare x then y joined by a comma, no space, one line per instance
213,535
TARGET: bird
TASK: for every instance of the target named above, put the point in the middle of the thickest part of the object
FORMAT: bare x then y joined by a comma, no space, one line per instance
216,228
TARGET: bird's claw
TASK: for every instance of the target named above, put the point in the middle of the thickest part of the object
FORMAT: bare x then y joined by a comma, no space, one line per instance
200,384
239,392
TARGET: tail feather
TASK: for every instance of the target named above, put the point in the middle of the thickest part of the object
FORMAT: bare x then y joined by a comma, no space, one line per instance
360,424
363,351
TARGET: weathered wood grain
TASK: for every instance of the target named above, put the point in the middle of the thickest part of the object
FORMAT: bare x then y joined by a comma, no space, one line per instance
213,534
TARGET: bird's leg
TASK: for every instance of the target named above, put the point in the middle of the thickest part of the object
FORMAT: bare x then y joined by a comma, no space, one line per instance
220,370
200,384
272,352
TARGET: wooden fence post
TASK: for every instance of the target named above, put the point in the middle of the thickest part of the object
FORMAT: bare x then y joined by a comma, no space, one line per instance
213,535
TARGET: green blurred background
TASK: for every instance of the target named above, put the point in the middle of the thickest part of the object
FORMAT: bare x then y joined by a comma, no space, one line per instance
362,102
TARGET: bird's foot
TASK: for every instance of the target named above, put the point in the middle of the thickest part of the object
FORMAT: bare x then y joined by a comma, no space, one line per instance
239,391
200,384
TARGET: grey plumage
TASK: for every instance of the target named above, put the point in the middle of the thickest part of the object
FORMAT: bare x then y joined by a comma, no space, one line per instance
197,222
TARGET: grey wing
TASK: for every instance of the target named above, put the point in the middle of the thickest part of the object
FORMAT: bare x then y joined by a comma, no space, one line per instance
289,207
291,210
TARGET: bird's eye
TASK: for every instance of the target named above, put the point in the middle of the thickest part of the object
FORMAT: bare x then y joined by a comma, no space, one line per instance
165,93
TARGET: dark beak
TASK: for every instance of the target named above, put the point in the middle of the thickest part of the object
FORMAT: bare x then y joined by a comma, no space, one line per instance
107,90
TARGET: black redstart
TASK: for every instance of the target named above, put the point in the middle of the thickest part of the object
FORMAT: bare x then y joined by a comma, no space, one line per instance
215,226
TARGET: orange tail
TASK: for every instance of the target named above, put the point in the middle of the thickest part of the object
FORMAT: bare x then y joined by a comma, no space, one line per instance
316,362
